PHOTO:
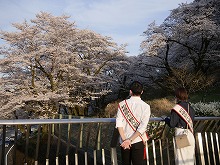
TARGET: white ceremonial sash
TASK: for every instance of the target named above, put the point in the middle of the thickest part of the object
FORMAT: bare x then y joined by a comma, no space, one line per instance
132,121
185,116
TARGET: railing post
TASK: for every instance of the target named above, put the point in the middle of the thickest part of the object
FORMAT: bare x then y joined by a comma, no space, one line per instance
154,153
103,156
161,153
27,141
147,154
213,150
217,142
38,144
207,147
3,145
48,144
168,152
114,143
78,145
58,144
114,156
97,144
87,144
15,144
99,137
200,148
81,134
53,127
68,140
6,156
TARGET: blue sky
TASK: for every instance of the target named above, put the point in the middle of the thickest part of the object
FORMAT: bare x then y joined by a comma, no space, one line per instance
123,20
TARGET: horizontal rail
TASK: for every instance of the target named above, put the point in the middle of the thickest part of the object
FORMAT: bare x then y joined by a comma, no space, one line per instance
56,121
80,121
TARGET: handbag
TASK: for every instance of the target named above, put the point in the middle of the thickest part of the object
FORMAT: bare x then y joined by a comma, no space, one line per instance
183,140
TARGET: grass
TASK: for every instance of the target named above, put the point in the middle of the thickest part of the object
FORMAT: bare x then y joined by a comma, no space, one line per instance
161,106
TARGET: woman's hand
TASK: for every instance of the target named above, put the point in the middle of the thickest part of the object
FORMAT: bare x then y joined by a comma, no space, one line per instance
167,120
126,144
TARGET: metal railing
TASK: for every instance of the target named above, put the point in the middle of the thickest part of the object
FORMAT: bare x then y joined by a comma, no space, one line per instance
92,141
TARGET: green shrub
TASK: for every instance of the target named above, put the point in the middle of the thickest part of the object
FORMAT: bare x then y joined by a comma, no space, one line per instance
207,109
